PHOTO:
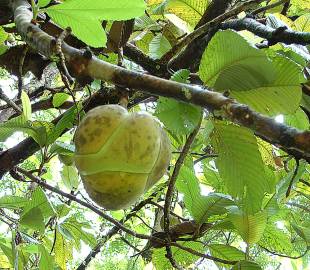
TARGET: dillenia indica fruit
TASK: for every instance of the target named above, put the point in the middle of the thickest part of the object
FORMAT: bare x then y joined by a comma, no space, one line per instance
120,155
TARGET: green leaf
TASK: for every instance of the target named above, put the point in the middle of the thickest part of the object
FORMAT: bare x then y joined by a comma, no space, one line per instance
38,130
66,122
43,3
246,265
39,199
60,250
181,76
13,202
302,23
226,252
84,16
231,63
75,228
190,11
70,177
26,105
8,252
200,207
62,148
276,239
298,120
240,165
59,99
46,260
3,35
88,30
180,118
183,258
33,219
250,227
158,46
282,95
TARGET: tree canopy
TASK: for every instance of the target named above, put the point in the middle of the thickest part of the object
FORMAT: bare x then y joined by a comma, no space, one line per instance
230,82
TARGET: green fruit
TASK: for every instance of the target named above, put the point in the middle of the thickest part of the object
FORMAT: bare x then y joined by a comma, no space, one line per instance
120,155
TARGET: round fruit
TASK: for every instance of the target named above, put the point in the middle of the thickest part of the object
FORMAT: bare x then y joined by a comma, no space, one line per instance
120,155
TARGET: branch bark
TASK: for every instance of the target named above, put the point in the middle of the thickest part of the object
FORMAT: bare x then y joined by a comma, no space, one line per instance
293,141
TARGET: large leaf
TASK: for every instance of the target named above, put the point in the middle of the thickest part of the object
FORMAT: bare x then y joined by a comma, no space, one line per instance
282,95
250,227
180,118
229,54
276,239
84,16
240,165
200,207
226,252
231,63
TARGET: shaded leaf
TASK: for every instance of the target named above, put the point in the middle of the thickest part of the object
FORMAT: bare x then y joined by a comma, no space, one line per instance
240,165
33,219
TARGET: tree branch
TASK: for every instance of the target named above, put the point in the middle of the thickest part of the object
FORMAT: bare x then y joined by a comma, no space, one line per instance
172,180
272,35
203,30
118,224
293,141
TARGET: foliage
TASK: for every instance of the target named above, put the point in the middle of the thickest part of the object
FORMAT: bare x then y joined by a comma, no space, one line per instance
238,197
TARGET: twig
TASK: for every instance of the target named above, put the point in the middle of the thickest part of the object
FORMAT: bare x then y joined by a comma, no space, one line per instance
171,213
9,102
118,224
205,28
20,70
171,185
293,177
85,204
285,256
285,8
67,77
204,157
129,244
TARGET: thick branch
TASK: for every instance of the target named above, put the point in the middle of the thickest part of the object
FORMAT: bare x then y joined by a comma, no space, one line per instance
272,35
289,139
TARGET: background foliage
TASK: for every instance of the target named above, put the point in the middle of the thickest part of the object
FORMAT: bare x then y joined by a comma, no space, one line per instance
252,197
